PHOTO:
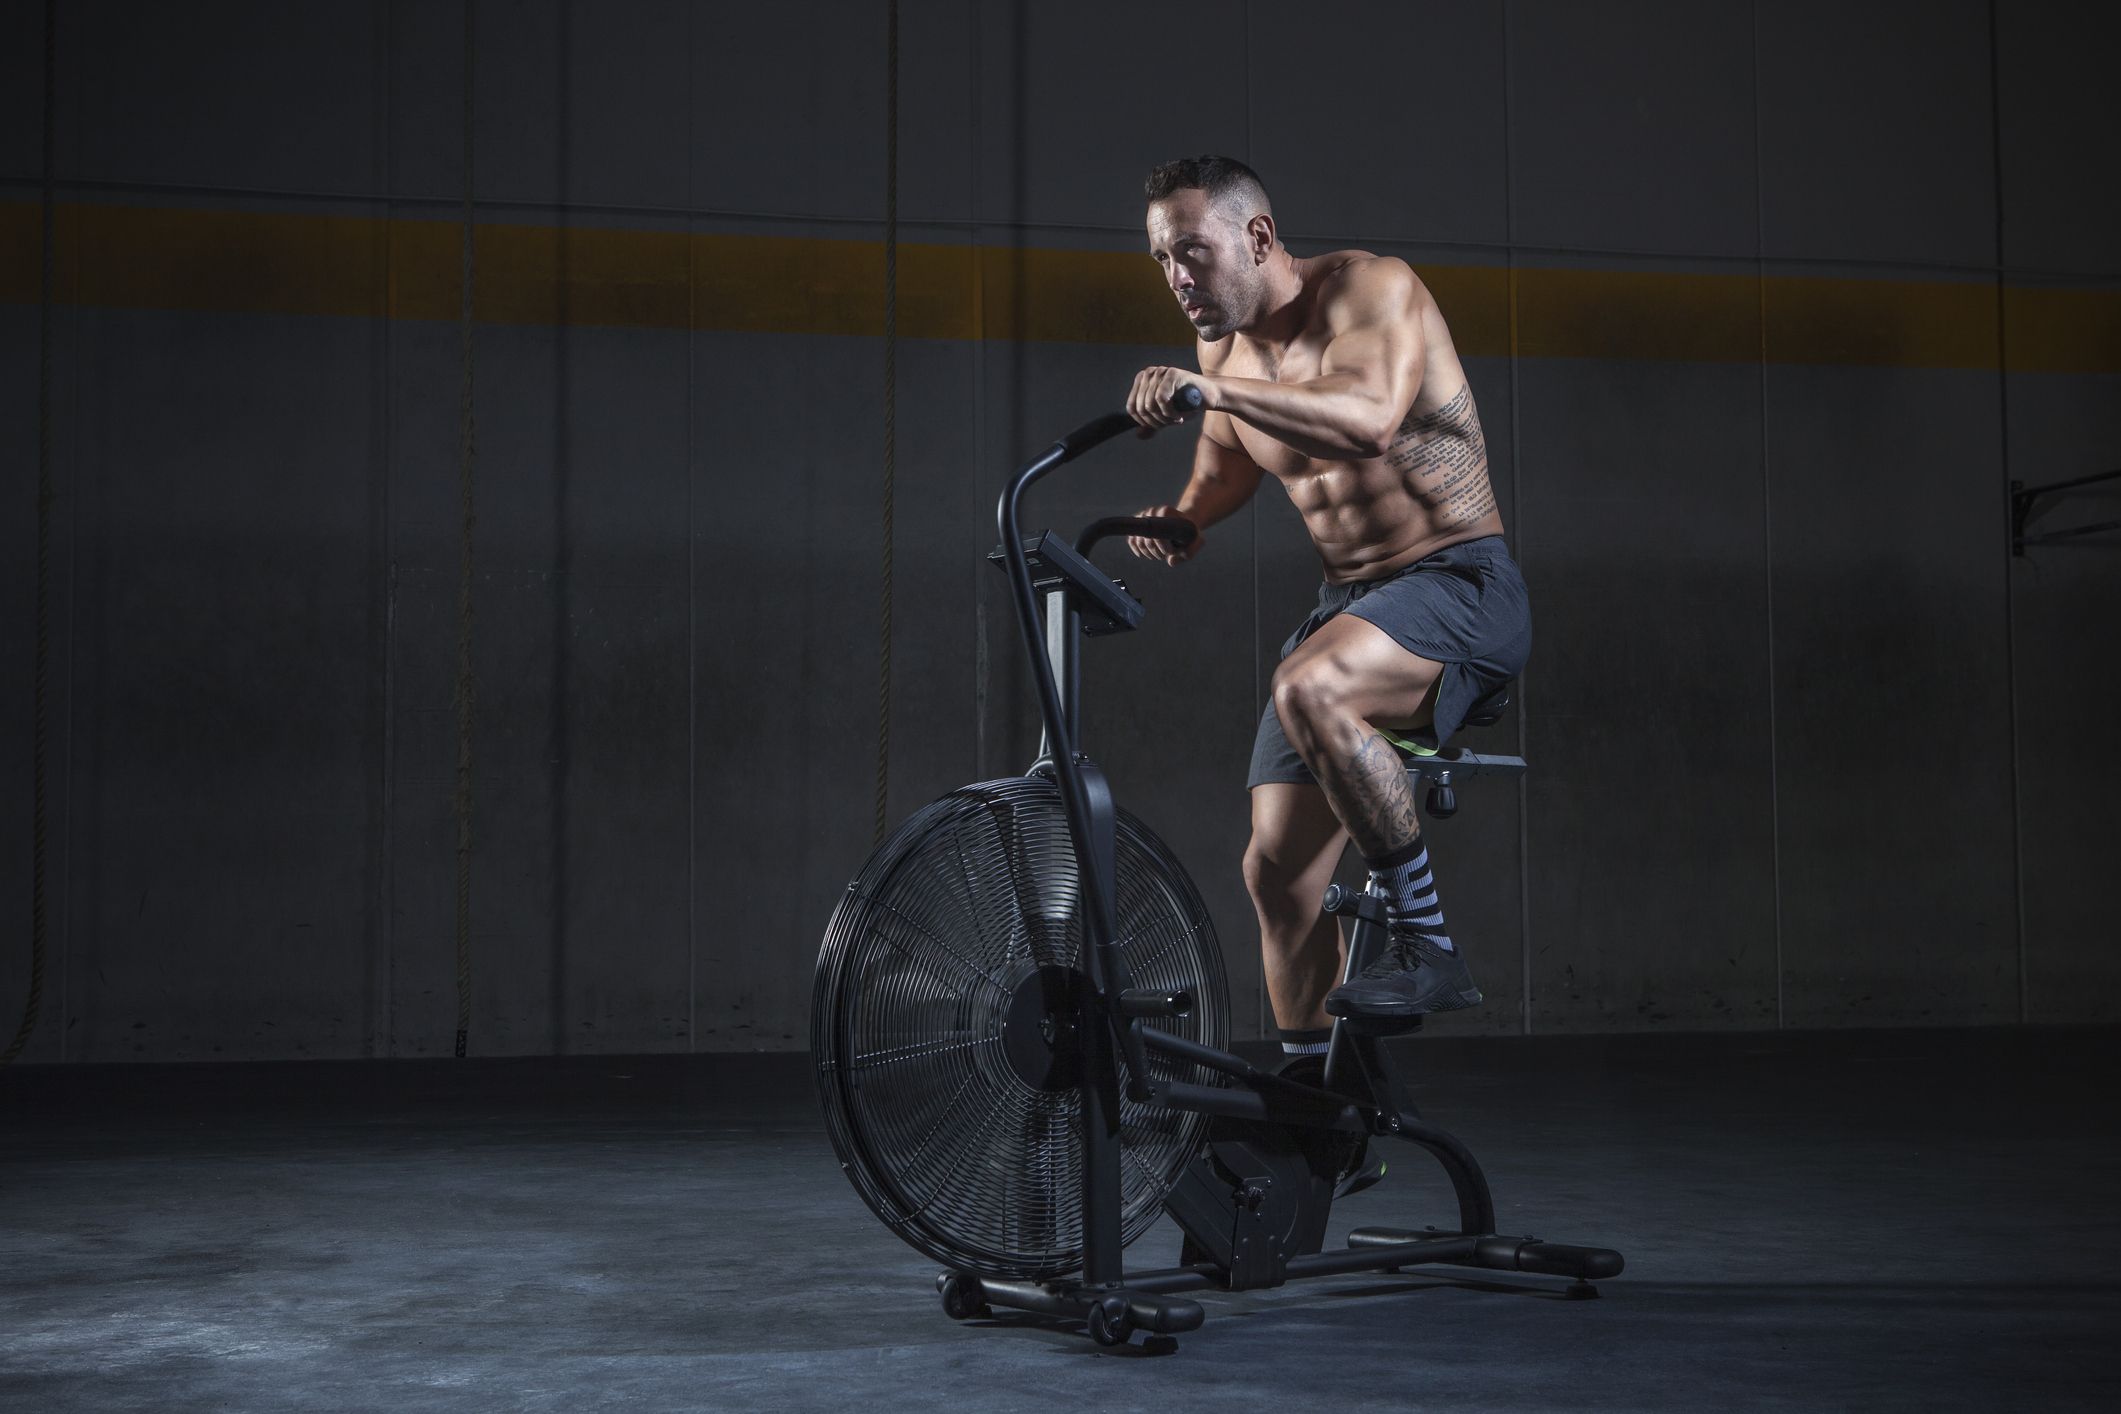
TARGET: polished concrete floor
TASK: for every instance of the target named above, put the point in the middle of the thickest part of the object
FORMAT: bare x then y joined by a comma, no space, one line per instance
1900,1220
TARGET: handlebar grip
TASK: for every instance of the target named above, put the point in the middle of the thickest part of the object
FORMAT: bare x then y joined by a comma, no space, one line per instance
1179,532
1098,429
1104,429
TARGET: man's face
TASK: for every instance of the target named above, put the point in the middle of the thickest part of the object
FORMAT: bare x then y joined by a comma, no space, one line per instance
1206,263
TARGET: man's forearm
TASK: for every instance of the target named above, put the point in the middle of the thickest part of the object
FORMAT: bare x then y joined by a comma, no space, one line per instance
1208,499
1337,416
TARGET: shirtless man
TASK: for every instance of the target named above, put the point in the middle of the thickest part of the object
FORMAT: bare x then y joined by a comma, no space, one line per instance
1335,375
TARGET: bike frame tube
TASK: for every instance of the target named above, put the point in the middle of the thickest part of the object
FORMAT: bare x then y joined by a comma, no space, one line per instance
1091,829
1064,632
1087,828
1239,1068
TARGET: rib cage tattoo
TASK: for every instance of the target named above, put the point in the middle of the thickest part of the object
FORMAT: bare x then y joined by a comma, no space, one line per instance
1445,457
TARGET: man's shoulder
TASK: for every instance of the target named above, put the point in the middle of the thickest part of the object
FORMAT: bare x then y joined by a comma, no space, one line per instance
1363,285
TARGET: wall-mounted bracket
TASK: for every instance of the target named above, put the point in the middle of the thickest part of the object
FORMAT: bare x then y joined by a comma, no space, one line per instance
2023,496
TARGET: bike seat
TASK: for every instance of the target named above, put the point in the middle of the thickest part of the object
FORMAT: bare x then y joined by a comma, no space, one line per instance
1421,741
1490,709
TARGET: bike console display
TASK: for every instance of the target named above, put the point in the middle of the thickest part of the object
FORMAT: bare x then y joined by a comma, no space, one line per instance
1104,603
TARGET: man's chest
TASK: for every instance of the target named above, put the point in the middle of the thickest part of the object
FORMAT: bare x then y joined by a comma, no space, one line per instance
1276,363
1297,362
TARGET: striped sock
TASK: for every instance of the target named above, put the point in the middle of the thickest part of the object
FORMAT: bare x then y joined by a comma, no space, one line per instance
1410,892
1304,1043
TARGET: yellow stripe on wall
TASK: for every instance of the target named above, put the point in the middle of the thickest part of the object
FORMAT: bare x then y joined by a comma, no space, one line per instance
132,257
2063,331
1638,314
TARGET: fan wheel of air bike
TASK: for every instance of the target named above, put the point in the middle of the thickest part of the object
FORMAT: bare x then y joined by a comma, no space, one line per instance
939,1028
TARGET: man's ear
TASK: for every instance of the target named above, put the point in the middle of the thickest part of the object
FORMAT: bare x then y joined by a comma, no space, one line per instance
1259,235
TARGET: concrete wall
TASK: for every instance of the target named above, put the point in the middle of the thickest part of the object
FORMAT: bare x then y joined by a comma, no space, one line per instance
1811,747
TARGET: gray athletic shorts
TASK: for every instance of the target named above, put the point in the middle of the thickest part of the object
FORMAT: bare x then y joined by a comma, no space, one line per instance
1464,607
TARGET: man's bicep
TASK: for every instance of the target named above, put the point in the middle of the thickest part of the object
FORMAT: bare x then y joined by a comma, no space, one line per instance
1375,327
1373,351
1385,351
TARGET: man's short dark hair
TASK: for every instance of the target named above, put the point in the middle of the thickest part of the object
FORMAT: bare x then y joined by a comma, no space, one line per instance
1219,177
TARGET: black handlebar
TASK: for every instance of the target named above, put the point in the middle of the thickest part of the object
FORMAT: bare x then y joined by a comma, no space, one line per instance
1179,532
1094,432
1104,429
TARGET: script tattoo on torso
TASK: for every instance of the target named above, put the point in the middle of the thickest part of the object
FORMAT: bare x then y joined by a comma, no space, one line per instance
1444,457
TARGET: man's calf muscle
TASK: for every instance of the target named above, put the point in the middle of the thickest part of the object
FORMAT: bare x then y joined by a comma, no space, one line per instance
1370,794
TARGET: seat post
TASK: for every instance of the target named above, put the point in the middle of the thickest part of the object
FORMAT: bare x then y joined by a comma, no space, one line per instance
1064,633
1365,926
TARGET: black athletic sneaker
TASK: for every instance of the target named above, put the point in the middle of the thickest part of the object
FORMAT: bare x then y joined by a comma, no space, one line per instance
1411,977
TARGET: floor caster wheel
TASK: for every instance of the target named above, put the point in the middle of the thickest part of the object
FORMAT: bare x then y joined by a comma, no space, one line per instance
1110,1323
962,1298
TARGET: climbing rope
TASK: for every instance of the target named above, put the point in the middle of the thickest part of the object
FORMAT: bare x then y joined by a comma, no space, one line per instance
883,672
464,694
40,730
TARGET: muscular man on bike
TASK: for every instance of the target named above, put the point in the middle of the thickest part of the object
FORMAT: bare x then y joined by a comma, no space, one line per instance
1335,375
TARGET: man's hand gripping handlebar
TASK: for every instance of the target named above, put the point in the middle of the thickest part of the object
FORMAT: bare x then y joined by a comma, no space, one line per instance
1162,532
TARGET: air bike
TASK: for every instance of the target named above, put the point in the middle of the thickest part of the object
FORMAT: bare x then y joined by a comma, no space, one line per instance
1020,1018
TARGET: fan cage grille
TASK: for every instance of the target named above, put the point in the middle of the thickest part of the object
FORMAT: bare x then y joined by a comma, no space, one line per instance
957,1154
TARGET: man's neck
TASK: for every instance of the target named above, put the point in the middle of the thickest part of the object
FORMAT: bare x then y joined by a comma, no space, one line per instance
1281,315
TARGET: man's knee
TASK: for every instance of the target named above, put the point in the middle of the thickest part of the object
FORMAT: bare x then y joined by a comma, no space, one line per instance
1265,877
1306,693
1280,875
